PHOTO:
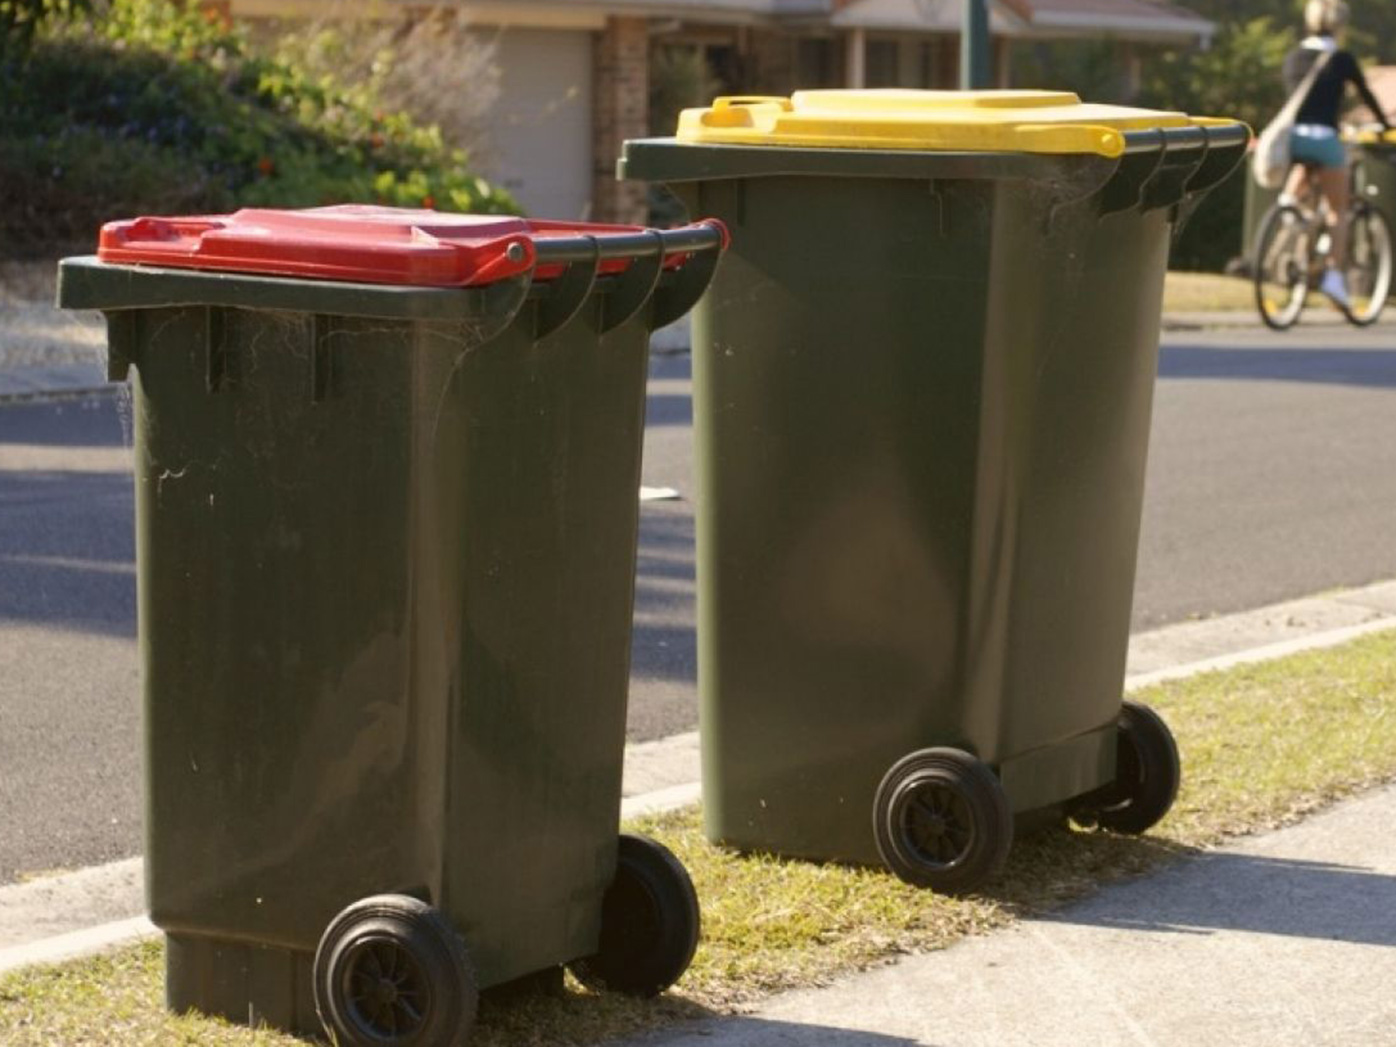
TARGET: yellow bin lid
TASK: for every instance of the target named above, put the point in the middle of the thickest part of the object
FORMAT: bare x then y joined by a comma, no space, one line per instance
959,121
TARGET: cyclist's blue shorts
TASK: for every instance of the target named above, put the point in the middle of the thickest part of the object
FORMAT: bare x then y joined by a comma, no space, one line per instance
1317,144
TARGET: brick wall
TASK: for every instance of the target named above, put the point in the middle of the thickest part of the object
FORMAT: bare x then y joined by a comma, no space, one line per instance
771,63
621,100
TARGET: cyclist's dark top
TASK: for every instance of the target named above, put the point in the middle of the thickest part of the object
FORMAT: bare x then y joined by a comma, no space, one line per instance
1325,100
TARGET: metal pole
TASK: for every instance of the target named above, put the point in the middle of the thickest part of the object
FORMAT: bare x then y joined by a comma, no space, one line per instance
974,46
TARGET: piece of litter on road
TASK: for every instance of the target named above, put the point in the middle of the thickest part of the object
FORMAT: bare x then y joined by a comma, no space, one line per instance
658,494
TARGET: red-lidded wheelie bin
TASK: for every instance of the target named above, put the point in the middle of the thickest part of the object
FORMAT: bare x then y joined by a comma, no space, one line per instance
387,466
922,392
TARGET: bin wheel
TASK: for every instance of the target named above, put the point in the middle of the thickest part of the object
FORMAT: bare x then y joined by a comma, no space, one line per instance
1147,772
649,923
390,971
941,820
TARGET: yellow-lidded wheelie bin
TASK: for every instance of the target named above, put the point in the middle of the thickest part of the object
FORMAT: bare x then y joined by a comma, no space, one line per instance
1375,175
922,394
387,466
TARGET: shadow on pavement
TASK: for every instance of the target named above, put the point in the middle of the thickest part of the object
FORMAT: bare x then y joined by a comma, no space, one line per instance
1371,368
1238,892
762,1032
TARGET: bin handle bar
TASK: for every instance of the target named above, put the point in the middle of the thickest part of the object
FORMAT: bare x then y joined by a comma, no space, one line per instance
700,236
1194,137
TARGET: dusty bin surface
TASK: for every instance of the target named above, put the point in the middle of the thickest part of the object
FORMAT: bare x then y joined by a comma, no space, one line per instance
923,384
386,481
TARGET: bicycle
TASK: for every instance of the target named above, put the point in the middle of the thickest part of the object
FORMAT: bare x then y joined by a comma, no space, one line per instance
1292,249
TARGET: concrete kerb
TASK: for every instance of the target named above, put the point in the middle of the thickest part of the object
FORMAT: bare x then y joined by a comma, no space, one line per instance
76,914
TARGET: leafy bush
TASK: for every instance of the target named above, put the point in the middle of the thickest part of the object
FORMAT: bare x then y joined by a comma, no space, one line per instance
150,108
435,66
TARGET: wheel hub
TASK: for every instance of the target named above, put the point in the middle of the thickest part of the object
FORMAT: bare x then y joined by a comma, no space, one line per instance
383,994
930,823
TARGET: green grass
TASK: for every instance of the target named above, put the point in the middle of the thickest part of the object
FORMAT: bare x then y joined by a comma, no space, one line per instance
1261,745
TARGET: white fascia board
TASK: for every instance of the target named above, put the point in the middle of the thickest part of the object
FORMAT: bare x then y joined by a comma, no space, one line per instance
1124,26
694,10
905,16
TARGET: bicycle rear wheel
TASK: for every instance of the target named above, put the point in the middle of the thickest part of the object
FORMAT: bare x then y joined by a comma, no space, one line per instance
1282,261
1369,263
1282,266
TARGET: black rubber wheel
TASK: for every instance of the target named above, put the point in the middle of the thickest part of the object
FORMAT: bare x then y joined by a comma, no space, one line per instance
1147,773
1281,266
942,820
1369,263
390,971
649,923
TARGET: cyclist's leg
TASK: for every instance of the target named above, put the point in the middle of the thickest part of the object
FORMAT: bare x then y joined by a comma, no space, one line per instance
1320,148
1333,184
1294,187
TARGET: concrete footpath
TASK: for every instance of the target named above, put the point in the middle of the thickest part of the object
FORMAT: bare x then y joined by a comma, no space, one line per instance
1283,939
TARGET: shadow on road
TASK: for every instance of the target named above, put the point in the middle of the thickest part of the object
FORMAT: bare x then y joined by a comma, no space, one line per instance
664,645
1237,892
94,421
1368,368
67,551
668,409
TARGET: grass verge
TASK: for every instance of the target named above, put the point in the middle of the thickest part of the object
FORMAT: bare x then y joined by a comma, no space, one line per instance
1262,746
1207,293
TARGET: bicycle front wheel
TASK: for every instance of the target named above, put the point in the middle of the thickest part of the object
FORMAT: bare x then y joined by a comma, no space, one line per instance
1368,264
1282,267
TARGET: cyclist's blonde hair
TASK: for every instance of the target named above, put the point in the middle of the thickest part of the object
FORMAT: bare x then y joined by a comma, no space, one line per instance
1326,17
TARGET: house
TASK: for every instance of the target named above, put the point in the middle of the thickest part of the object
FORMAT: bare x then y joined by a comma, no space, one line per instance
576,74
1382,80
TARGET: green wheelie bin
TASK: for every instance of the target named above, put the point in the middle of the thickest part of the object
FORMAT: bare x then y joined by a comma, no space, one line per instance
387,466
922,395
1376,170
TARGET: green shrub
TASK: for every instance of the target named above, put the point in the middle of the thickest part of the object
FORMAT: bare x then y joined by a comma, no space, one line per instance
153,109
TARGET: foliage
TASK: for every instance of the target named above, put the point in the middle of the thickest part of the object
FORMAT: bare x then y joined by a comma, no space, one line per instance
156,109
1091,68
435,67
1238,76
680,78
20,19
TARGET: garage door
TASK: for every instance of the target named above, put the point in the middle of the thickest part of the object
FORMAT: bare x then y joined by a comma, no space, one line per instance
540,146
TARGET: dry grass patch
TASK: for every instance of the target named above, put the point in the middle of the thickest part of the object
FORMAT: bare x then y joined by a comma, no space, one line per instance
1207,293
1262,746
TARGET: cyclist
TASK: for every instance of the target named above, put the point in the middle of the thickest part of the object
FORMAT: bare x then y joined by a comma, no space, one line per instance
1314,141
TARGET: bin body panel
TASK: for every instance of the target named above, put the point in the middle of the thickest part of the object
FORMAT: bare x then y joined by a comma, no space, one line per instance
549,435
921,455
276,611
1071,355
386,629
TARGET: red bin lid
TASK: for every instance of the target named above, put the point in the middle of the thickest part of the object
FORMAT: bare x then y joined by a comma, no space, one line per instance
349,243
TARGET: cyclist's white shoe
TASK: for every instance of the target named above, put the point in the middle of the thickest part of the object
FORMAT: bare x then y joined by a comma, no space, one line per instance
1335,286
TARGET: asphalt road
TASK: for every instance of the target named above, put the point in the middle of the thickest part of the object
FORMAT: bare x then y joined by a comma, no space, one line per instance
1272,475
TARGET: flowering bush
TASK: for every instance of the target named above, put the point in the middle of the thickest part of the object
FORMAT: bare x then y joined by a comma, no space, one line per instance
151,108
